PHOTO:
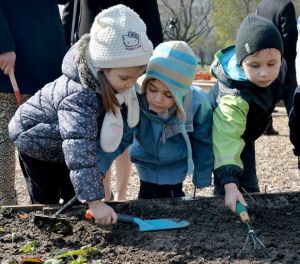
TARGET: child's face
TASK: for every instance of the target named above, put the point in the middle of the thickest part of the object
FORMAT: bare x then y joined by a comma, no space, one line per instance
262,67
122,79
158,96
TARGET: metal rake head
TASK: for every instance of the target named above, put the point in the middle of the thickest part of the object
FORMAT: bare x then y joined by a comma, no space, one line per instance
258,247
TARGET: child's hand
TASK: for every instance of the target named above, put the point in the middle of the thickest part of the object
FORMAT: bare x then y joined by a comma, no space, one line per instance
232,196
102,213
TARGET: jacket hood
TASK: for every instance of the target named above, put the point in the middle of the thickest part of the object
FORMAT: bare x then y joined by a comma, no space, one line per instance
76,67
226,69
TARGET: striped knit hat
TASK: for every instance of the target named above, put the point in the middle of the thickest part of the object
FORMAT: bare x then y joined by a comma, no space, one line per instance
174,63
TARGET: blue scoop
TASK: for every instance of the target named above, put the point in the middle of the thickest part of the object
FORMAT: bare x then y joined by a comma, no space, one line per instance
153,224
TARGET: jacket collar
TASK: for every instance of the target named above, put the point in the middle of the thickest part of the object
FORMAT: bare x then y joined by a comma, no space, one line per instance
87,75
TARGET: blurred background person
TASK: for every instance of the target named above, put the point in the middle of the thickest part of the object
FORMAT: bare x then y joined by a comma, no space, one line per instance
282,14
32,46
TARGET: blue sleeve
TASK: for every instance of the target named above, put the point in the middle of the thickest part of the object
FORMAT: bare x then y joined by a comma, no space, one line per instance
201,141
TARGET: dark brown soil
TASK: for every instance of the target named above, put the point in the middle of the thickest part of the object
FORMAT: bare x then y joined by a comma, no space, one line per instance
215,235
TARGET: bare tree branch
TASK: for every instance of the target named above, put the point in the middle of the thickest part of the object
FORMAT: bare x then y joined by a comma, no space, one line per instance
186,20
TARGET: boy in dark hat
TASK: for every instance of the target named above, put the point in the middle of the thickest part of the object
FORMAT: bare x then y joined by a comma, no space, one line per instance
244,98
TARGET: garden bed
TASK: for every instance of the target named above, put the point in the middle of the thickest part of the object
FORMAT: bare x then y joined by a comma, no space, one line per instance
215,235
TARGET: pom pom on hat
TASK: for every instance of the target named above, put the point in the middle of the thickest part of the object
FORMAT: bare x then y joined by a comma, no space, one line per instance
175,64
118,39
256,33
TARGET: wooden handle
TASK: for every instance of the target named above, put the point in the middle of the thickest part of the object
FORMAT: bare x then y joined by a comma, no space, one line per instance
14,84
13,80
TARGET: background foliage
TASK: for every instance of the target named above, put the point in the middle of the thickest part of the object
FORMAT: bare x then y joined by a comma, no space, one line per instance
207,25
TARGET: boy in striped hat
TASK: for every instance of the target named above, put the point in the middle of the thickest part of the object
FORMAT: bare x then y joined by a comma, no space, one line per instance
173,137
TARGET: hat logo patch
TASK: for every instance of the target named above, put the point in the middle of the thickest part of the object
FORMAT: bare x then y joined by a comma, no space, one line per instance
131,41
247,48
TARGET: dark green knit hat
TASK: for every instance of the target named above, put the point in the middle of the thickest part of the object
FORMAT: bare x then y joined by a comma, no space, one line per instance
256,33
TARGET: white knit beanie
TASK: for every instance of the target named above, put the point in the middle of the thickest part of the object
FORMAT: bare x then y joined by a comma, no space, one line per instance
118,39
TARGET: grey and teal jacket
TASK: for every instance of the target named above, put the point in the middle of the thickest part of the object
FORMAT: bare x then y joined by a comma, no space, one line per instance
160,150
61,123
241,113
294,122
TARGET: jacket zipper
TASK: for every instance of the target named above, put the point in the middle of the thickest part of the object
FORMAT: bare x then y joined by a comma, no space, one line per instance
164,131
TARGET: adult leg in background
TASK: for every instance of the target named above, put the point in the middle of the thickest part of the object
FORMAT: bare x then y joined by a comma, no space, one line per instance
291,83
8,195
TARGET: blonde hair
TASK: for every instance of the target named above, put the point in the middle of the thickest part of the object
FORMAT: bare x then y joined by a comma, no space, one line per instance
109,98
110,101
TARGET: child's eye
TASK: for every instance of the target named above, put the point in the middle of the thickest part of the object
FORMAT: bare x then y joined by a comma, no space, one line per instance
124,78
152,89
169,95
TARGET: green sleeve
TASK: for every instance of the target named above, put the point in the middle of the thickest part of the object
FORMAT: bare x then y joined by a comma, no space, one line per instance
229,124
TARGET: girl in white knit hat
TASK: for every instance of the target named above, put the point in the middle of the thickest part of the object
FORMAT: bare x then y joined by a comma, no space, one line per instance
173,137
58,129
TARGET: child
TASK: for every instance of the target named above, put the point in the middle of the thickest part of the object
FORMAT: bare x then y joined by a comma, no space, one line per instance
246,93
175,125
57,130
294,124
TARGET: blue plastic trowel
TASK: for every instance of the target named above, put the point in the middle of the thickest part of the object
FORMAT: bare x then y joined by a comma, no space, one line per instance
149,225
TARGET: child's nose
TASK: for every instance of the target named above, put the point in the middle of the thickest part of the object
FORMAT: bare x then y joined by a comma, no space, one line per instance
158,97
264,73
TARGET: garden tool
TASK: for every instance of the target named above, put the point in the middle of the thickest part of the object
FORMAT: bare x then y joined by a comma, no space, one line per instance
242,212
148,225
55,217
17,96
15,87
